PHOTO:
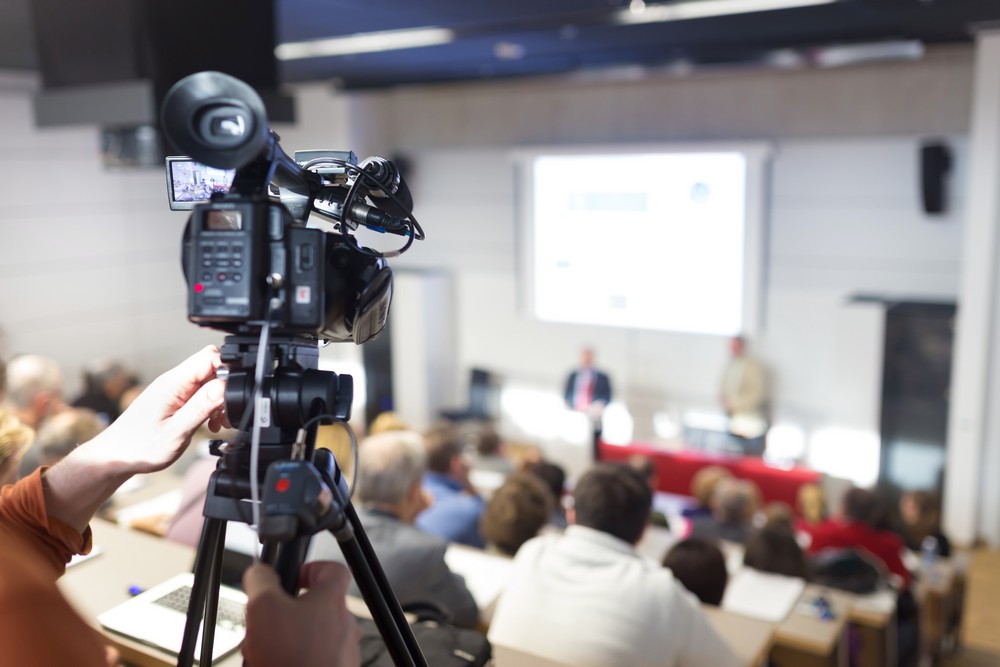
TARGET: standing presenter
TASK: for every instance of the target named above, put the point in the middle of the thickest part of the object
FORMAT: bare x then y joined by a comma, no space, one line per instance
588,390
745,398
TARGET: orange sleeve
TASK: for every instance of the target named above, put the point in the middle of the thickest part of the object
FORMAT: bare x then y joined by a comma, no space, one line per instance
38,628
22,512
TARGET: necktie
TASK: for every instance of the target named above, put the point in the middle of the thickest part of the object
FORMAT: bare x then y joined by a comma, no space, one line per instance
584,392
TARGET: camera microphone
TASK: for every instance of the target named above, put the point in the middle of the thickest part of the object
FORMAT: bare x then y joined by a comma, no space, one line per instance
390,182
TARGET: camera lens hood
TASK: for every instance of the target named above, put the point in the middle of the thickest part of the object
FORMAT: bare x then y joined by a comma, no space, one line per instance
216,119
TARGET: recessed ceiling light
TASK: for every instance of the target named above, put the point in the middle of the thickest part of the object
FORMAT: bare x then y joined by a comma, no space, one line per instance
697,9
364,42
508,51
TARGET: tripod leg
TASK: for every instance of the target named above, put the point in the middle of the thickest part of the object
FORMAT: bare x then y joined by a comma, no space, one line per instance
212,601
209,550
378,595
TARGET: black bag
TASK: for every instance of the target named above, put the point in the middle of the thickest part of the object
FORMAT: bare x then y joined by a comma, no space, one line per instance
848,570
442,645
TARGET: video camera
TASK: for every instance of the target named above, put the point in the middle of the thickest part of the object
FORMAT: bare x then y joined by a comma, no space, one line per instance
249,257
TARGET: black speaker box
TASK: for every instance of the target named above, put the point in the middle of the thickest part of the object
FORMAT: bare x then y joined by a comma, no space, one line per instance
935,165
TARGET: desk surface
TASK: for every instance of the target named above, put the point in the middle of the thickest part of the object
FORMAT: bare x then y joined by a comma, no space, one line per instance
804,631
127,558
750,638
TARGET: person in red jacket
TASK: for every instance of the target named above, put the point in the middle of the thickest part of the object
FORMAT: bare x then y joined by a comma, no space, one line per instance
44,521
856,529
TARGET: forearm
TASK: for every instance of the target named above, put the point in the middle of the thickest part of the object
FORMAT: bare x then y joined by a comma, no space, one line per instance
76,487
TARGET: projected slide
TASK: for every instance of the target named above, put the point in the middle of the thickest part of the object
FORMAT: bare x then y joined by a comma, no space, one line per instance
652,241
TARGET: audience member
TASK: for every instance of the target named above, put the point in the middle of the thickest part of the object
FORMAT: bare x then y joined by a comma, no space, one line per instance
647,470
588,599
920,517
701,567
60,435
554,478
703,489
15,439
515,513
588,390
777,513
389,492
34,389
773,549
43,522
128,396
184,525
856,529
104,383
734,504
811,504
488,452
387,421
454,515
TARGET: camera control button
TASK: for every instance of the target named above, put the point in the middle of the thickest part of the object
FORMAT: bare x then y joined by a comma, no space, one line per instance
206,277
237,277
221,277
238,263
222,263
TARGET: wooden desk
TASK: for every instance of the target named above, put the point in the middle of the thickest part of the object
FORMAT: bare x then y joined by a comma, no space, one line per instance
505,656
874,617
938,594
750,638
127,558
805,640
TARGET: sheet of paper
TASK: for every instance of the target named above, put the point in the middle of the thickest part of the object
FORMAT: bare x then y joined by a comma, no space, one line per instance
168,503
762,595
95,550
485,574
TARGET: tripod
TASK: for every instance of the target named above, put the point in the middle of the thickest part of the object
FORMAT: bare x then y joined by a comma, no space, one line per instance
303,490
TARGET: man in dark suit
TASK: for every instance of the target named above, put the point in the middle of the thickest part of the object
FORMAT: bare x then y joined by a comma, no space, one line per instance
390,470
588,390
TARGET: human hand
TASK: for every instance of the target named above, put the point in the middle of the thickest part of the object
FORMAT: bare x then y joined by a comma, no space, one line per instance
311,629
149,436
157,427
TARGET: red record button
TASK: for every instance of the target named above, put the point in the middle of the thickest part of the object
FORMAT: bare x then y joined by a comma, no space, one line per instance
282,485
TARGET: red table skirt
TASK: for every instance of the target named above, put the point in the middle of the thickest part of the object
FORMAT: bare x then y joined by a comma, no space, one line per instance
677,468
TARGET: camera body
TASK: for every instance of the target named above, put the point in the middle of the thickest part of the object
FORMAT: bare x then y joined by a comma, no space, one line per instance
249,258
233,249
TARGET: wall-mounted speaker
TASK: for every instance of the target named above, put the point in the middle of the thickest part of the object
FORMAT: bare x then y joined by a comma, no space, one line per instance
935,166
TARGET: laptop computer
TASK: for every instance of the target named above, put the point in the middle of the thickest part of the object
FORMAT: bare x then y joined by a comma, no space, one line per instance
156,617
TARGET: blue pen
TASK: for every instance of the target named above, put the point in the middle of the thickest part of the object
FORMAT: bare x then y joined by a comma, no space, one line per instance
134,590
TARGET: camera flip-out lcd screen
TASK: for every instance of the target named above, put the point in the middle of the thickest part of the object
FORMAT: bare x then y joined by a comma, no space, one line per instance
190,182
